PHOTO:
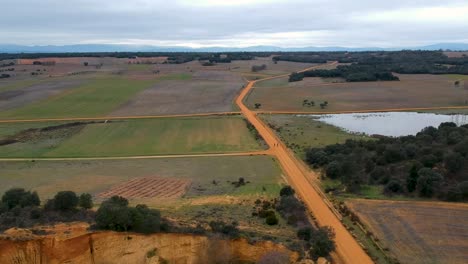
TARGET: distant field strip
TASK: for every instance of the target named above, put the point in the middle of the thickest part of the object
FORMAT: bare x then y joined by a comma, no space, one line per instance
123,138
113,117
98,97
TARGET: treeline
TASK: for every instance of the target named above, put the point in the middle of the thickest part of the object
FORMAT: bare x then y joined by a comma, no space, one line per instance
351,73
432,164
173,57
21,208
373,66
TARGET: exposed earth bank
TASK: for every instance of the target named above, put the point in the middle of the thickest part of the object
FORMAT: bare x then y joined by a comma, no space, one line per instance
22,246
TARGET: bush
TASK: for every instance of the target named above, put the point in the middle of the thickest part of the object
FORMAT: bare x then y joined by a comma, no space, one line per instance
18,197
114,214
229,230
333,170
271,219
322,243
65,201
85,201
287,191
428,182
453,162
393,186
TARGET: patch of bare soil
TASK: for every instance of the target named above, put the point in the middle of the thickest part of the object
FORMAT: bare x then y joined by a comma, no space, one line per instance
418,232
23,96
149,187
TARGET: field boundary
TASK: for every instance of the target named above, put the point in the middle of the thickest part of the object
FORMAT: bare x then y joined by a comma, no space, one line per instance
6,121
360,111
252,153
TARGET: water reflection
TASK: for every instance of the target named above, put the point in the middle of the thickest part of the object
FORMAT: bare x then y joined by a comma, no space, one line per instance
389,124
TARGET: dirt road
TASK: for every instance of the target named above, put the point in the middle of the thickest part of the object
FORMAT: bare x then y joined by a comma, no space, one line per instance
347,248
364,111
114,117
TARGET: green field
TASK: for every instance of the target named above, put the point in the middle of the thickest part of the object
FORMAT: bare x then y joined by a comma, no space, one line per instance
48,177
299,132
134,138
96,98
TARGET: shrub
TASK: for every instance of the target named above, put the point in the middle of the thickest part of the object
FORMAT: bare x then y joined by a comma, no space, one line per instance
287,191
230,230
322,243
65,200
18,197
271,219
453,162
86,201
428,182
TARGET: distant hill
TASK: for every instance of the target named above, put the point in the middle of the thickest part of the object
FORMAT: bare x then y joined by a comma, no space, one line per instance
5,48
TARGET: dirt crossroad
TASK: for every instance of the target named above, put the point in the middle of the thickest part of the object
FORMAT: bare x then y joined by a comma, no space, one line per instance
347,248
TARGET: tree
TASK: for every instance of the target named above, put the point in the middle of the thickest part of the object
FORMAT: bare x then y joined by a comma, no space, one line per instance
305,233
18,197
453,162
412,179
287,191
65,200
333,170
322,243
85,201
393,186
428,181
257,105
85,63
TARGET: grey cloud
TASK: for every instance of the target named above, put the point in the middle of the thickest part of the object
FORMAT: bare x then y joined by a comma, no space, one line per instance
179,22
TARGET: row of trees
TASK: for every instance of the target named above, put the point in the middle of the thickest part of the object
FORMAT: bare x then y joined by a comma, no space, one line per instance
21,208
431,164
379,66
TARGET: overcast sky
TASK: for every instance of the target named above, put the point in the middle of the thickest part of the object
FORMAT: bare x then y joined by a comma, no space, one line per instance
234,23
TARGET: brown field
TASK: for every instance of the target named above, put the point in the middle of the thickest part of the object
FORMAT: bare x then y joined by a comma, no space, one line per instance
456,54
411,91
418,232
34,92
149,187
206,92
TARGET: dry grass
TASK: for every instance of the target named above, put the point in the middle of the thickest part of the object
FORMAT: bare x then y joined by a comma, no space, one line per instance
411,91
418,232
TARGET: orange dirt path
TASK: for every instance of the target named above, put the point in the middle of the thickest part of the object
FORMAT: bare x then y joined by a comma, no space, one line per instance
114,117
347,248
363,111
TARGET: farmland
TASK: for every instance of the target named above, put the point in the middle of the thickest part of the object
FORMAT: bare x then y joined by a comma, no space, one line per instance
299,132
417,232
101,175
96,98
133,137
411,91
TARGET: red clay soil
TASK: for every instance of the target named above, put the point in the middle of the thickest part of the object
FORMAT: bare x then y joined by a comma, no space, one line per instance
347,248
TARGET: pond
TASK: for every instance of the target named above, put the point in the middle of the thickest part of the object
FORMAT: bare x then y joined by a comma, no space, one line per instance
390,123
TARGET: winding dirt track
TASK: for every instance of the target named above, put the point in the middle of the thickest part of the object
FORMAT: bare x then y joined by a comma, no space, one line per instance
347,248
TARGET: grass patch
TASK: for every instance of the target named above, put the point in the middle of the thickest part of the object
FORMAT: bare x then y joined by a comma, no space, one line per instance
176,77
19,84
299,132
98,97
138,137
48,177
